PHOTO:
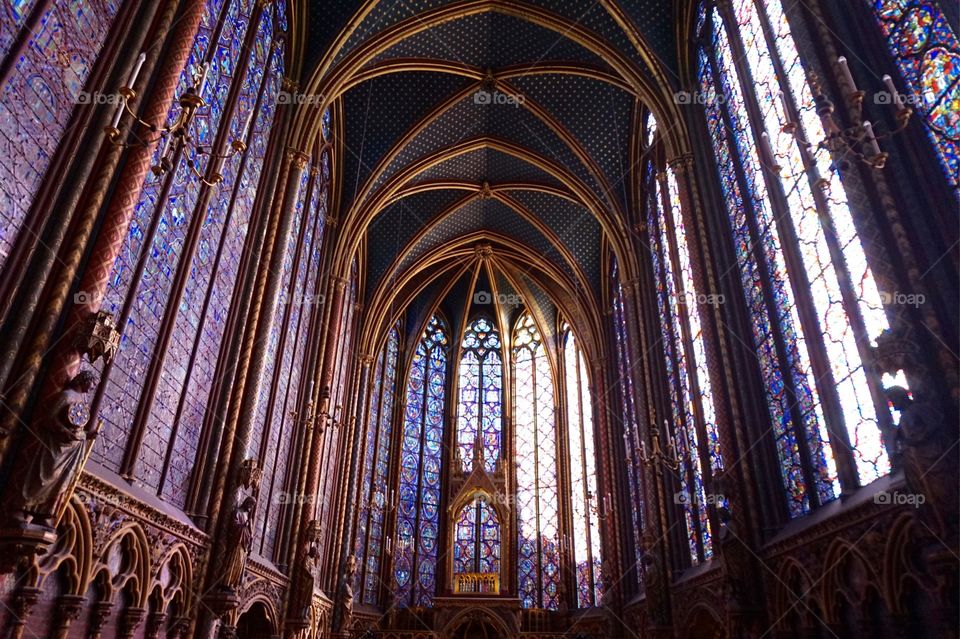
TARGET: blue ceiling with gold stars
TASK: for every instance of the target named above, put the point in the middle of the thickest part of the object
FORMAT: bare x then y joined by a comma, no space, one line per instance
514,122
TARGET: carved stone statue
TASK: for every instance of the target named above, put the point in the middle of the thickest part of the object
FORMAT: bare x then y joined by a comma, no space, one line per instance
53,454
735,556
654,584
307,573
238,539
609,582
929,457
346,592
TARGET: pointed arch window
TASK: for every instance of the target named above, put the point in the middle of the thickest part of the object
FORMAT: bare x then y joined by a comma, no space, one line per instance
418,509
927,53
813,301
476,546
628,413
692,424
538,518
585,497
480,380
374,495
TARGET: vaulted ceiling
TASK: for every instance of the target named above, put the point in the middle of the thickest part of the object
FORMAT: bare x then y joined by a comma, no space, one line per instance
490,140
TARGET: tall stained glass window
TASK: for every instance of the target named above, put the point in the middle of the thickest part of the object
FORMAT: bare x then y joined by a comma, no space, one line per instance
584,497
538,522
374,495
176,235
927,53
480,383
692,423
628,414
418,511
47,85
811,327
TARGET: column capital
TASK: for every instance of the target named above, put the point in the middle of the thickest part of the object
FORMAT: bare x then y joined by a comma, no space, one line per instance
630,288
339,282
298,157
289,85
681,163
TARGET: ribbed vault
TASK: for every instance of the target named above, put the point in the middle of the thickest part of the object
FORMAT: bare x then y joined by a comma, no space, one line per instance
491,137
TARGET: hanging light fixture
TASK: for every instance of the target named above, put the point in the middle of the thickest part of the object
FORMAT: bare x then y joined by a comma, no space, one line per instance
178,132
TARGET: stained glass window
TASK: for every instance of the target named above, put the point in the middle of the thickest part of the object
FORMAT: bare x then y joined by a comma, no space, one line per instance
476,544
418,510
692,414
198,330
927,53
628,413
46,86
374,495
480,382
538,522
584,496
811,362
145,272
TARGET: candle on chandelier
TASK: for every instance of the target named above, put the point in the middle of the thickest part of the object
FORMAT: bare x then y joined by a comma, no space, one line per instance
786,108
136,69
846,75
166,147
767,149
246,126
115,123
892,89
204,69
870,139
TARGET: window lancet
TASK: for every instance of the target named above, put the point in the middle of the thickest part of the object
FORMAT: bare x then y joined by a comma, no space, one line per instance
628,413
584,495
480,394
418,509
538,518
46,86
156,252
373,495
477,541
692,424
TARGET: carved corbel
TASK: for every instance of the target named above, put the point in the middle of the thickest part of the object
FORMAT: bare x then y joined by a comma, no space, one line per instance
97,336
130,621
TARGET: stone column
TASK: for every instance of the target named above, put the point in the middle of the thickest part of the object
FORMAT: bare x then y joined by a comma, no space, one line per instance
346,540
